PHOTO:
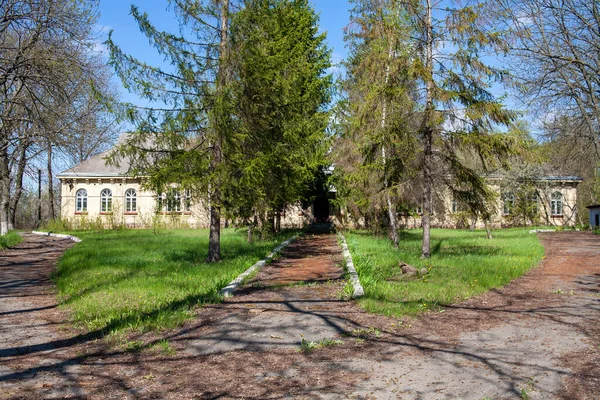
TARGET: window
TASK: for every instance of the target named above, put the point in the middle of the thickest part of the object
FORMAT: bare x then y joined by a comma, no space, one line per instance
106,200
173,201
556,204
130,200
160,202
188,201
533,202
508,203
81,201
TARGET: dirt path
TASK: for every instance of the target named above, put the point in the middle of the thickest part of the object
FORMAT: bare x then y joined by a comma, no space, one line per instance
538,337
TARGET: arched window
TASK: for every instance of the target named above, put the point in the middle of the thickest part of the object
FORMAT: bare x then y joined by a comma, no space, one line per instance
81,200
130,200
556,203
509,203
106,200
173,201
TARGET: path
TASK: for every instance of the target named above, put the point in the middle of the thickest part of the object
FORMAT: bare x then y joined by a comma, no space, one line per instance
538,337
29,319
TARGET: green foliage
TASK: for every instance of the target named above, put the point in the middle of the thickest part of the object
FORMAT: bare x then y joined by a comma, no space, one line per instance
137,280
280,90
11,239
462,264
375,153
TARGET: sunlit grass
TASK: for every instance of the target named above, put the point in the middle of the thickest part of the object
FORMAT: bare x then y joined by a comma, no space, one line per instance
11,239
462,264
126,280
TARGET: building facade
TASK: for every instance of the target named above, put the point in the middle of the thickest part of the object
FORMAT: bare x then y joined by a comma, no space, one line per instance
93,194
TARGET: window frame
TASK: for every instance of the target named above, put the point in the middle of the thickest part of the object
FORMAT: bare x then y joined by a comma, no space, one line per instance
81,201
556,204
131,201
508,199
106,203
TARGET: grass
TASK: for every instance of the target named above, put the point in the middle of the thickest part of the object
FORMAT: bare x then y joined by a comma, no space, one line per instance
11,239
462,264
134,280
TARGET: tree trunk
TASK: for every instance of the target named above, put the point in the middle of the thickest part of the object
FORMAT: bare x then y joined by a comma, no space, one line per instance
52,212
278,222
428,139
488,230
388,197
214,242
14,200
4,189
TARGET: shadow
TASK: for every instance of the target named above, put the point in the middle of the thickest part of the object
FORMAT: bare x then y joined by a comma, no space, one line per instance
251,372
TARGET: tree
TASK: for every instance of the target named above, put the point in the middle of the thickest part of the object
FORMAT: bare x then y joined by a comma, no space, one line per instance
183,138
41,43
280,90
455,115
460,115
555,50
377,114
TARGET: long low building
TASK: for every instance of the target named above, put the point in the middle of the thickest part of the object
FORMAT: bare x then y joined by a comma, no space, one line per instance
94,193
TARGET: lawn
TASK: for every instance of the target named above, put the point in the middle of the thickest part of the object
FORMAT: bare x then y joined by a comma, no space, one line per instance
135,280
11,239
463,264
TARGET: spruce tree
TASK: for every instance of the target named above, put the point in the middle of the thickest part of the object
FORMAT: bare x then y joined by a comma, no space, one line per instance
281,89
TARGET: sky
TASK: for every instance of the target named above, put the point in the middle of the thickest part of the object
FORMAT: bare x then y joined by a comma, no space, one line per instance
115,16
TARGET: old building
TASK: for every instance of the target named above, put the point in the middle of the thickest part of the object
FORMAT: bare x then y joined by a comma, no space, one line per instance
94,193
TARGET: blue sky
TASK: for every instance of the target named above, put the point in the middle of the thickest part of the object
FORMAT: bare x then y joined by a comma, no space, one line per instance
114,15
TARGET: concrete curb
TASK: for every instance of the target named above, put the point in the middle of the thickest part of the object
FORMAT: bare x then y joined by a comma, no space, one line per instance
228,290
542,230
58,235
358,289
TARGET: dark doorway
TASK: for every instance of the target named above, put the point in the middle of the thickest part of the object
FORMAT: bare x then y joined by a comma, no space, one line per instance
321,209
597,220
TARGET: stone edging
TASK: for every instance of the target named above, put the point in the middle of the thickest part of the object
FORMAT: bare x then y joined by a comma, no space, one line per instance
58,235
542,230
358,289
228,290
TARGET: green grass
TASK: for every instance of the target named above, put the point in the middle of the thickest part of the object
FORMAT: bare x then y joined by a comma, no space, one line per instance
11,239
135,280
462,264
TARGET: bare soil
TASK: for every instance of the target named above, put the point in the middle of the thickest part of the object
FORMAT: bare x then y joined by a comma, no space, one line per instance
537,337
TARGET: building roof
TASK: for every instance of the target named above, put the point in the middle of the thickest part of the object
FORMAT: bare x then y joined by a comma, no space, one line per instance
593,206
96,166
